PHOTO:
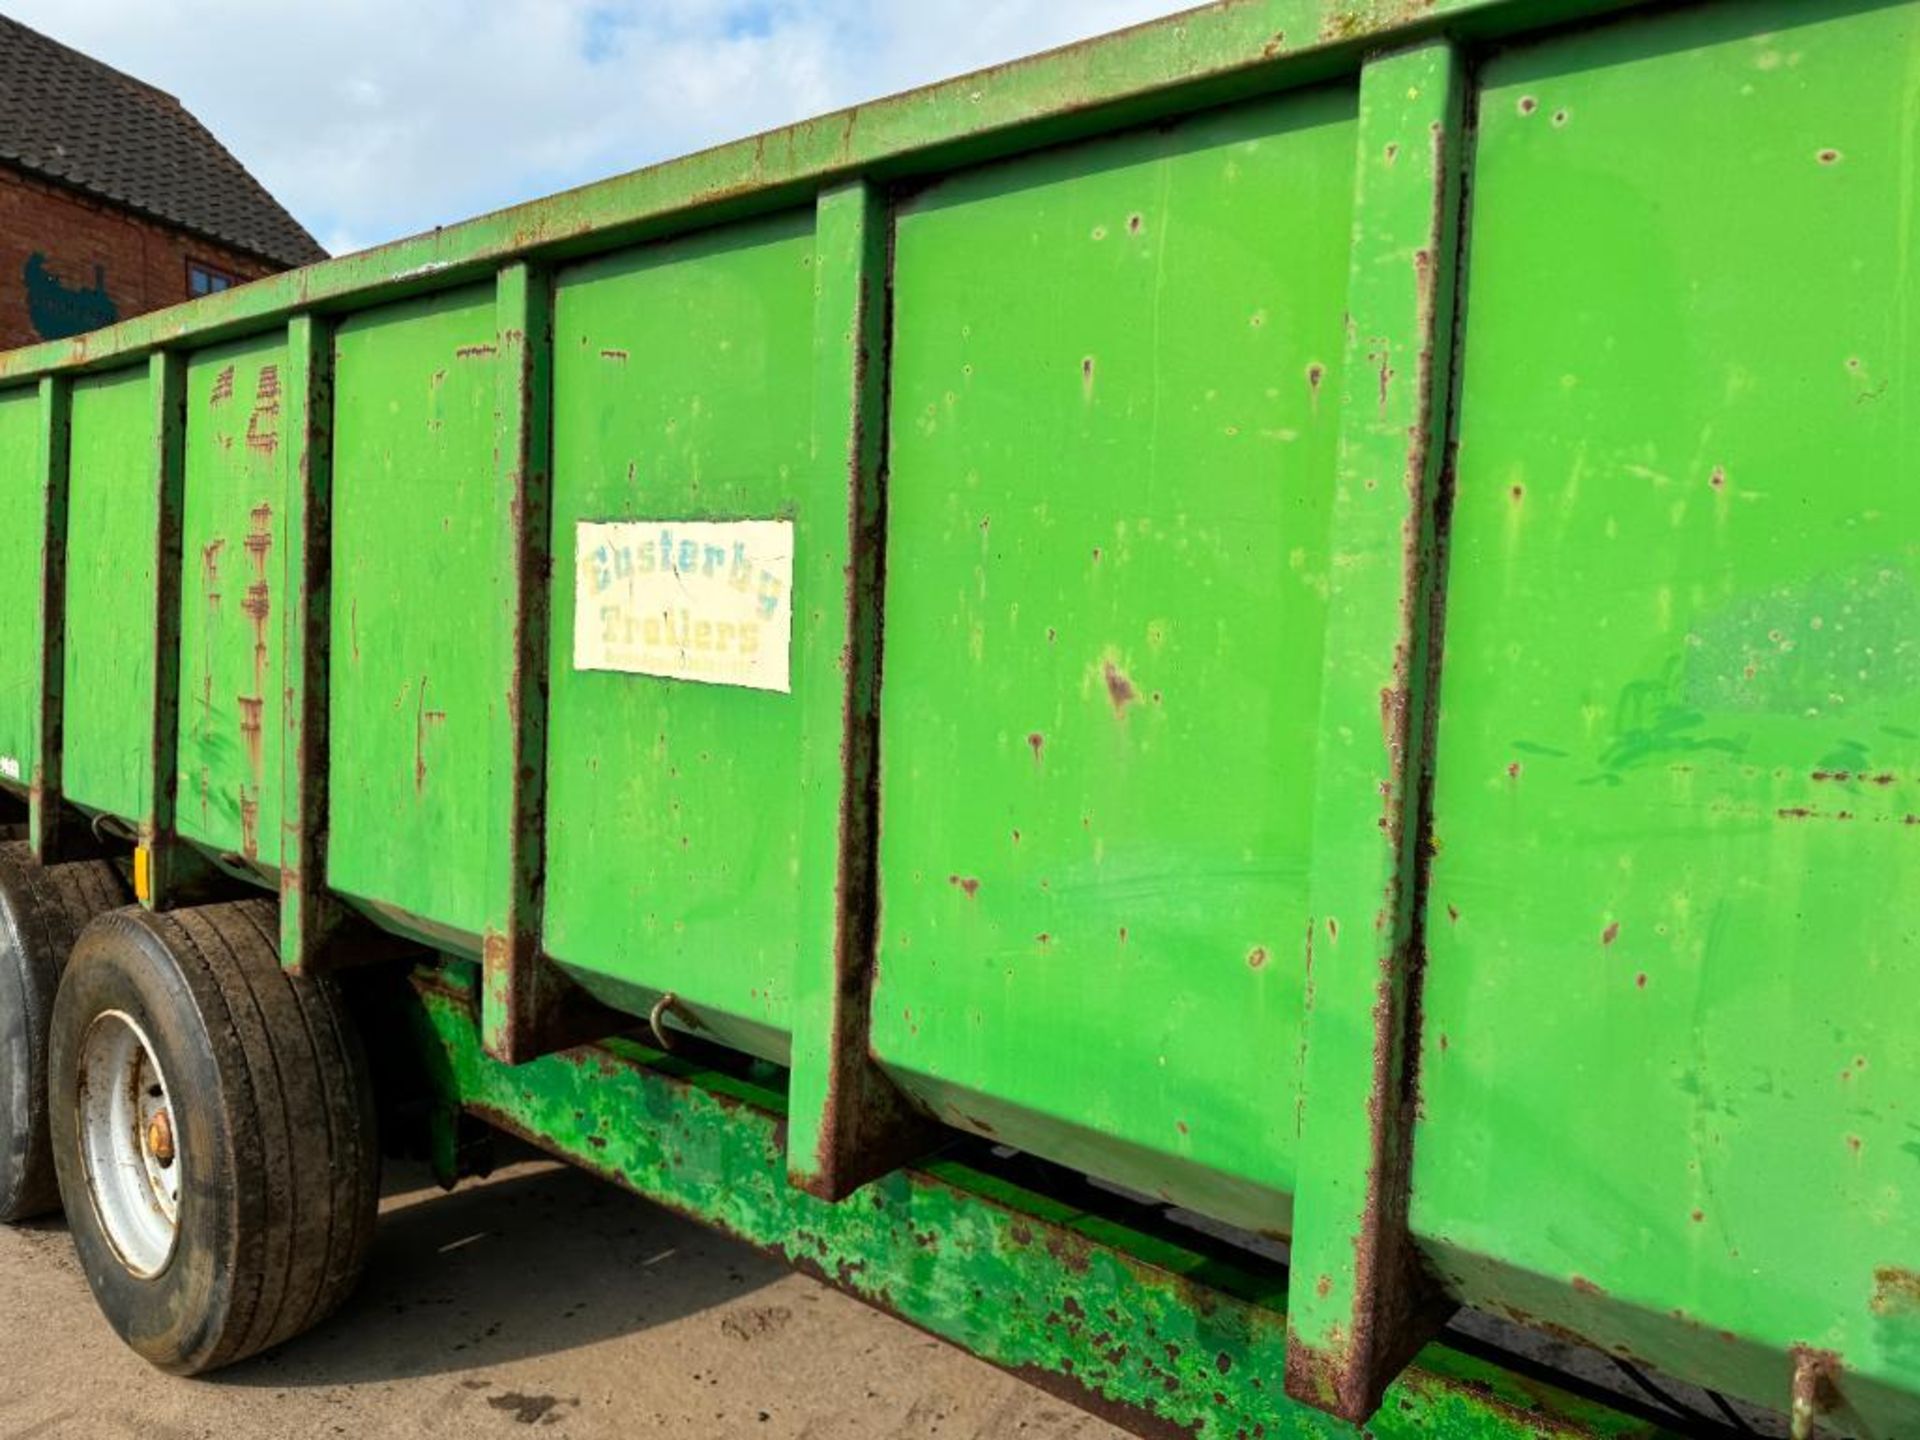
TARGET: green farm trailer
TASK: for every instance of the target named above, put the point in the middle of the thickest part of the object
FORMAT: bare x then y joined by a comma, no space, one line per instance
1233,715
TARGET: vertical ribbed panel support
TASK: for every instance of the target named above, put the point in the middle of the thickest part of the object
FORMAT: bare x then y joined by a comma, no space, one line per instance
309,918
161,863
1359,1307
46,797
850,1124
529,1007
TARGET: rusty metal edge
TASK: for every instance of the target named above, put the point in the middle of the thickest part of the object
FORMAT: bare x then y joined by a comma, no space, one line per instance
1390,1308
308,917
1448,1394
1210,55
46,792
529,1007
167,394
863,1126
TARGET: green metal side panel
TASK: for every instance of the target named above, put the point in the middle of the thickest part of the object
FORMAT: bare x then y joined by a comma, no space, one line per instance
230,623
112,522
1115,372
414,656
1671,1078
1648,1018
676,826
23,511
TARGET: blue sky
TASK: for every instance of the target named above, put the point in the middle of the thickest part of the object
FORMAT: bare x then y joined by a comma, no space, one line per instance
372,119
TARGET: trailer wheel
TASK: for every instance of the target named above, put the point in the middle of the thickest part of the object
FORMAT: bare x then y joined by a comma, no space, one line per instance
42,909
214,1132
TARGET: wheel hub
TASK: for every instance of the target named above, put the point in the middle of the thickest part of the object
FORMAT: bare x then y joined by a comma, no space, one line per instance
160,1140
128,1143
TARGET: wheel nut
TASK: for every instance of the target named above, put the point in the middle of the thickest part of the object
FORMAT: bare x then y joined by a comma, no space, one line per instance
160,1139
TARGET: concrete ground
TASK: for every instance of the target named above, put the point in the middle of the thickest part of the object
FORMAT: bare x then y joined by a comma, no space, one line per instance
540,1301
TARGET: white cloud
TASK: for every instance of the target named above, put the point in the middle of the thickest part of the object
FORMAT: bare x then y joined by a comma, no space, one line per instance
372,119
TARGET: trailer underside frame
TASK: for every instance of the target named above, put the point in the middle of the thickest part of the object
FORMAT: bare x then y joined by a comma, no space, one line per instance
1116,1309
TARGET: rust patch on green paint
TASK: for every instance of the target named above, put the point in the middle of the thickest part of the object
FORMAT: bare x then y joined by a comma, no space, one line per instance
1896,1291
1356,21
1123,1322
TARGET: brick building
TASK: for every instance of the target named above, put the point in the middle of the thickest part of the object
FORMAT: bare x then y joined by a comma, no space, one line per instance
115,200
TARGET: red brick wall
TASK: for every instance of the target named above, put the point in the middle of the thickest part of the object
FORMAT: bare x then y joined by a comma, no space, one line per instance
142,263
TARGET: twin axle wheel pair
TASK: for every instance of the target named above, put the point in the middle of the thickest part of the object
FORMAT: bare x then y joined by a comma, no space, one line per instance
205,1119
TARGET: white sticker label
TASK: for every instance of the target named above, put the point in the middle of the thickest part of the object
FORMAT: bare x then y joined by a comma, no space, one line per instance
706,600
9,767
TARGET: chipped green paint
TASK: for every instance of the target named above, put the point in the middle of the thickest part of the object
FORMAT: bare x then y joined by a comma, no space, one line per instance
307,913
676,834
163,863
45,581
113,517
23,500
1369,1307
520,984
1113,436
1132,362
230,686
1139,1323
416,678
1675,945
849,1122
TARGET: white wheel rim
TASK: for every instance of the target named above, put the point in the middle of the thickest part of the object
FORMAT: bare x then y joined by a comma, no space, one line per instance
129,1143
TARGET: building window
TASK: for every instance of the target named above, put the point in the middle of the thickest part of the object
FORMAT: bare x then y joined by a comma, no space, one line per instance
203,279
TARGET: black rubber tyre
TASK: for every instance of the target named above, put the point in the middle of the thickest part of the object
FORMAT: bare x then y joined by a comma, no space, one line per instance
271,1124
42,910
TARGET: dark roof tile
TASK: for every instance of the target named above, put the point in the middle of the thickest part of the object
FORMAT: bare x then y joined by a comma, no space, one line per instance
68,117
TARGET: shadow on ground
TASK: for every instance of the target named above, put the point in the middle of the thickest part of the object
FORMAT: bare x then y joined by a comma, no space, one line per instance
541,1258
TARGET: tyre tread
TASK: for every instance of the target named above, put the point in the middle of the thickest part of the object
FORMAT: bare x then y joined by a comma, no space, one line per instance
305,1161
47,908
